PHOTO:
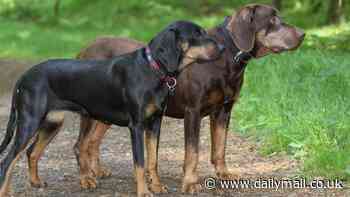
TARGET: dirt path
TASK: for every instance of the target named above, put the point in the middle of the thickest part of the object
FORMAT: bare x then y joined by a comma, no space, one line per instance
59,169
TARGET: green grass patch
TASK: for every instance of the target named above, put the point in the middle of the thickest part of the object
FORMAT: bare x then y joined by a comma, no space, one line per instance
299,103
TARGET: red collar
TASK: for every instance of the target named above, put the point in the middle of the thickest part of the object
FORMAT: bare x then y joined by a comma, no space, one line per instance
168,80
150,59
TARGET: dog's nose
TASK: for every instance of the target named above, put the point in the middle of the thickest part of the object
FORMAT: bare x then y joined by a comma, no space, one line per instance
221,47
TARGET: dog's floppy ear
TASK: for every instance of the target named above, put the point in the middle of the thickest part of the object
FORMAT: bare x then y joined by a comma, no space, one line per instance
243,28
164,48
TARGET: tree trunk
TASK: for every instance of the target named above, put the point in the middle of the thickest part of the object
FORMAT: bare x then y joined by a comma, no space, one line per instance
277,4
335,11
56,8
316,5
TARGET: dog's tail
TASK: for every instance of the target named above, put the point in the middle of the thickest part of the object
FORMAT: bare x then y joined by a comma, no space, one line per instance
11,125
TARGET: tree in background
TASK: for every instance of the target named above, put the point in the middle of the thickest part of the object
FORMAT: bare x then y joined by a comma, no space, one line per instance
335,11
277,4
56,8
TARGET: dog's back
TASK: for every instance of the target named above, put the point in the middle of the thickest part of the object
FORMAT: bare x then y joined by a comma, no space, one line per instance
108,47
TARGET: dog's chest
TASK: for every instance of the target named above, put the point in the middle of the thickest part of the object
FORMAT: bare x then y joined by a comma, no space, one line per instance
219,97
151,108
155,105
226,93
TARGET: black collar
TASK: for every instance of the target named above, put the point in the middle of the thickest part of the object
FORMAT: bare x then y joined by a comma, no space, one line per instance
239,57
165,77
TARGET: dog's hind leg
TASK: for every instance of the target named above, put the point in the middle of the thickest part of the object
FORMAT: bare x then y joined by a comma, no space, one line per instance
47,131
95,140
87,178
27,125
31,108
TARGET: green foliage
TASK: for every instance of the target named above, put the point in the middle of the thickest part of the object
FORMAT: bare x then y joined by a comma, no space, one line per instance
295,102
330,37
80,23
298,103
23,9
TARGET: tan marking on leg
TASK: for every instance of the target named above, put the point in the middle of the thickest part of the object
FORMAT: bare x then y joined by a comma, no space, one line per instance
142,189
94,150
44,138
152,164
87,180
190,181
151,108
218,146
218,138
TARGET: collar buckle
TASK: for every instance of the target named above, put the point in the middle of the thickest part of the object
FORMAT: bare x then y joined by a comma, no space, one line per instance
242,57
170,83
237,58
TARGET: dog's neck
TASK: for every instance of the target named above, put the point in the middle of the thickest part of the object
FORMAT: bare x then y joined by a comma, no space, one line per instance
164,76
239,57
155,65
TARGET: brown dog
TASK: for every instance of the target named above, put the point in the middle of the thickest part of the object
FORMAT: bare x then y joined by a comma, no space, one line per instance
205,89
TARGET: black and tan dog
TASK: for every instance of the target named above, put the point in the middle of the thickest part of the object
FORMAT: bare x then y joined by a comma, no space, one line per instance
205,89
128,90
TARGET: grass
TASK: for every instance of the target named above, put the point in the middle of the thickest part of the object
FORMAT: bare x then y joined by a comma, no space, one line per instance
295,102
299,103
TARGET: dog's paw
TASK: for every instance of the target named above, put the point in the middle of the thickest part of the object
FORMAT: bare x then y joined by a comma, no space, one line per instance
103,172
38,184
145,194
158,188
227,175
88,182
191,188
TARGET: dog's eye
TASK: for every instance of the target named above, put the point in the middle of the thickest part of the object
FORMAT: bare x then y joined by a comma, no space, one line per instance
161,50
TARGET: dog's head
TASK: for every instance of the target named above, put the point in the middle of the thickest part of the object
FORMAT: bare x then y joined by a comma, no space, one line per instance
183,43
258,28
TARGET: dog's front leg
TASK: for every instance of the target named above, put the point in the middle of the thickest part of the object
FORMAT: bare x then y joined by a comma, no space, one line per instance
219,123
152,146
192,127
137,139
